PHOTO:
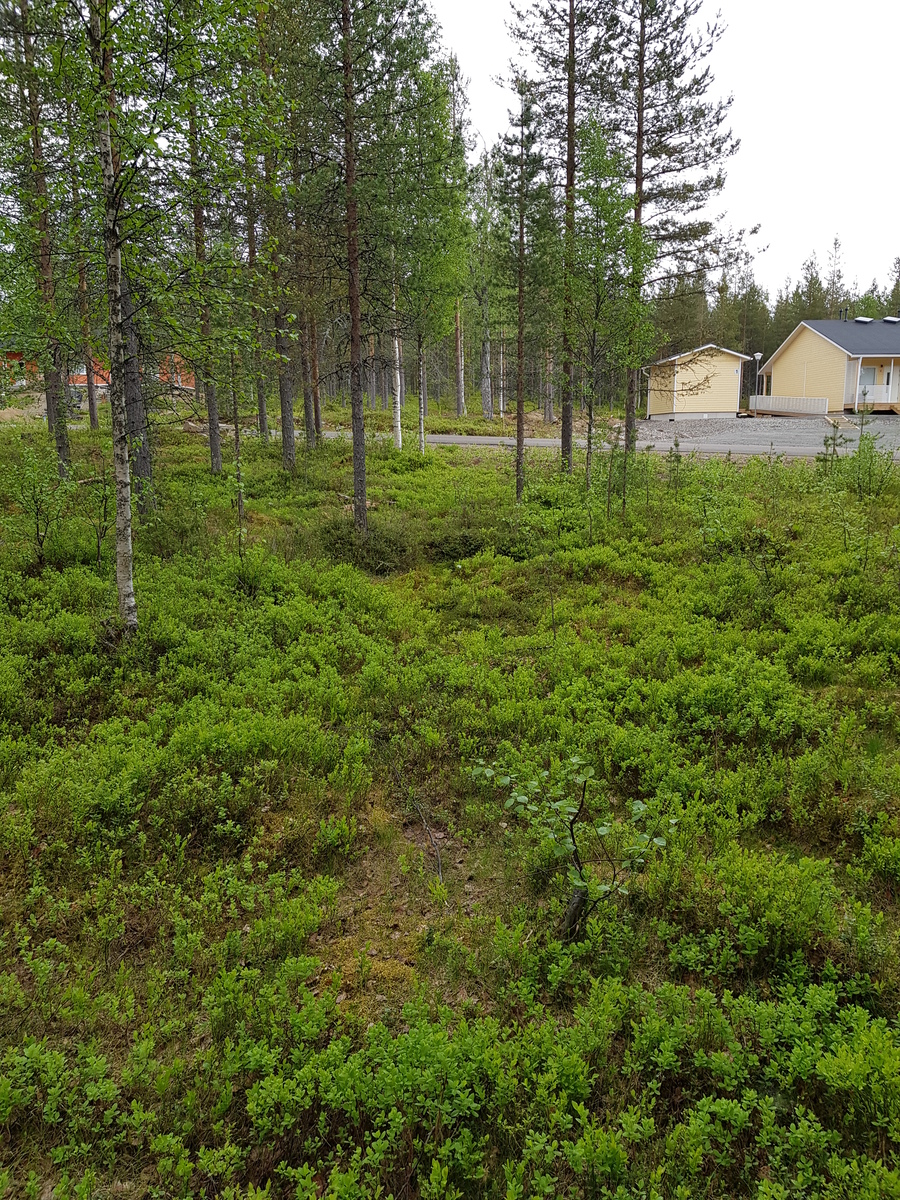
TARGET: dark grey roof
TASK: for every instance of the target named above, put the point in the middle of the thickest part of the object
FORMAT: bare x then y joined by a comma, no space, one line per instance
861,337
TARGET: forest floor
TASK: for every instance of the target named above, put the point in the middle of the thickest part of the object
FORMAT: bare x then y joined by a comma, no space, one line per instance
283,879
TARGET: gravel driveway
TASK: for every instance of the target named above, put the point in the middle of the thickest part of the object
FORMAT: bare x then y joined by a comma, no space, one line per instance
800,437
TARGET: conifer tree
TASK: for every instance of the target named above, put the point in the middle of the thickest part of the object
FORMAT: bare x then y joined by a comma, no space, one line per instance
522,168
657,109
30,80
567,40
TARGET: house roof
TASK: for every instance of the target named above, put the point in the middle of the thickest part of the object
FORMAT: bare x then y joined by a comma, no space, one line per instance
861,337
700,350
871,339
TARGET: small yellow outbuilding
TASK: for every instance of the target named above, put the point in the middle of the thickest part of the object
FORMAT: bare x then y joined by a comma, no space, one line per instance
705,382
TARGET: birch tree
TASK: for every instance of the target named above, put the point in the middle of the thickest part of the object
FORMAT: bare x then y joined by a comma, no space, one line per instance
100,40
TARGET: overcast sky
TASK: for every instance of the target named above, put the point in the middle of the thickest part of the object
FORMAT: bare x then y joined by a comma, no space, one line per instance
816,103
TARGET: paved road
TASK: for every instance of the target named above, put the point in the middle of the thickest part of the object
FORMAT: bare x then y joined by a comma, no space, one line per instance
787,436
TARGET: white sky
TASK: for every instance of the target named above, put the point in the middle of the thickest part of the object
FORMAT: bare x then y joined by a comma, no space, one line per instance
816,100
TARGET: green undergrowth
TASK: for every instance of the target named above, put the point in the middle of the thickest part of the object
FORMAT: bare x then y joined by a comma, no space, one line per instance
441,418
269,930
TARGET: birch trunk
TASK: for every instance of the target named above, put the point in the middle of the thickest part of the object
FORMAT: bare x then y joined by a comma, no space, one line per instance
397,395
285,388
102,57
487,398
460,368
397,392
502,391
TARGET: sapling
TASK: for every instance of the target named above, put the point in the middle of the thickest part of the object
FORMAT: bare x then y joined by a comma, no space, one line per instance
42,496
566,807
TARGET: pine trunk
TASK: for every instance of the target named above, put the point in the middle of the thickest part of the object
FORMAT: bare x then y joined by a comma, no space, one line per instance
54,380
309,413
520,332
422,396
633,384
360,515
83,303
205,366
590,445
568,363
136,422
256,358
237,456
314,364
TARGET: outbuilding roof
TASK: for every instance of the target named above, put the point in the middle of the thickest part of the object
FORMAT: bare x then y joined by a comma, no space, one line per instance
700,350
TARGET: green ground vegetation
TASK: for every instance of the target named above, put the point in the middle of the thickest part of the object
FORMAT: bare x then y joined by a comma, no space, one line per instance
284,877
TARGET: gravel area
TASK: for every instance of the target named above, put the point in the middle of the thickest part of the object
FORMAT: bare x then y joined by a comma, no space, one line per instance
799,436
739,428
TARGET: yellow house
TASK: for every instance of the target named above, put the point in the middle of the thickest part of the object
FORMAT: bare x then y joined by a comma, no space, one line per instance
830,366
705,382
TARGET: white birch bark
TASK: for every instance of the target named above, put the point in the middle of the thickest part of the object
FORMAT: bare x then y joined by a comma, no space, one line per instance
113,254
487,399
460,367
398,432
500,381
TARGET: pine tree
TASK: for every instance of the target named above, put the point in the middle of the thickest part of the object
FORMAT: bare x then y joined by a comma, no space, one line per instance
522,168
31,82
658,111
835,287
566,40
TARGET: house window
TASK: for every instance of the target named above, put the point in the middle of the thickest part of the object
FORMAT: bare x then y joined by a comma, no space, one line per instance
867,377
